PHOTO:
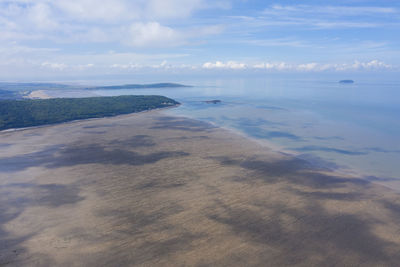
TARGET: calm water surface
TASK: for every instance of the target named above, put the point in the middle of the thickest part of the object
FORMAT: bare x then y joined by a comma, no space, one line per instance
342,126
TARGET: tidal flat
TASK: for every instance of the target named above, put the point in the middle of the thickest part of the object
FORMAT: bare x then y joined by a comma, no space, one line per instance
152,189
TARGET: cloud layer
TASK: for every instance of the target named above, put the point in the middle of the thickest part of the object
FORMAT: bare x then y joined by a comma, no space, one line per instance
87,37
136,23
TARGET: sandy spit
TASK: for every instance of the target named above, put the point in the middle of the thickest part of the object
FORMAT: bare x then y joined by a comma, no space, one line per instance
38,94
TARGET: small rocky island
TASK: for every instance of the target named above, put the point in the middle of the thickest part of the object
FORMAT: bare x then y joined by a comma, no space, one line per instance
216,101
346,81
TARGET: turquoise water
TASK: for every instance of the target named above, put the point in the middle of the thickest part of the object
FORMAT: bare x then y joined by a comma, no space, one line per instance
341,126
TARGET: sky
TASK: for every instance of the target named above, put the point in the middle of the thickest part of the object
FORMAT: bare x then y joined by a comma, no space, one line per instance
55,38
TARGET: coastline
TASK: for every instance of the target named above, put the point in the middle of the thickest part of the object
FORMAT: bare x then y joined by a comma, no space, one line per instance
153,189
351,172
269,146
390,182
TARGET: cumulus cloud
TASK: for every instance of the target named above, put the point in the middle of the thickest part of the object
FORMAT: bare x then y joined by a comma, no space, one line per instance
113,10
142,32
92,21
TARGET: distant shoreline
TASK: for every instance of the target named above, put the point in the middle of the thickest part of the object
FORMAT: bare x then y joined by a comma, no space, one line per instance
37,90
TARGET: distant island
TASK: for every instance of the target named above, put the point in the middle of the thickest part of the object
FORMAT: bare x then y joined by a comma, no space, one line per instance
14,86
138,86
212,101
346,81
35,112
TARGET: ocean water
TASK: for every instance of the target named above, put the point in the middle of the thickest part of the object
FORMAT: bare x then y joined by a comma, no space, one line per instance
349,127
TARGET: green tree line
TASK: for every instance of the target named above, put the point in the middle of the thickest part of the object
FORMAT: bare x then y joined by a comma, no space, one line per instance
34,112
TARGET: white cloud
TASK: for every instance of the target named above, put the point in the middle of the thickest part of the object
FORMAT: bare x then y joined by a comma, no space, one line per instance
307,66
172,8
55,66
108,10
120,10
91,21
126,66
226,65
41,15
371,65
153,34
84,66
112,10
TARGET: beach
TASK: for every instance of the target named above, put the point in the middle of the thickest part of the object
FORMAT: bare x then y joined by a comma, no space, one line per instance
153,189
38,94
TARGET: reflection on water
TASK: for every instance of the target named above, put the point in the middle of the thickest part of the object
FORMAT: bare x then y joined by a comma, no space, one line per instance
355,126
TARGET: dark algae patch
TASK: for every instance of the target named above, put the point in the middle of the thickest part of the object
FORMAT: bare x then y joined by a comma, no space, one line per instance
35,112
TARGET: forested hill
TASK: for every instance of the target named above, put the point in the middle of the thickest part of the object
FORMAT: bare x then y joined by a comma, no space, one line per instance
34,112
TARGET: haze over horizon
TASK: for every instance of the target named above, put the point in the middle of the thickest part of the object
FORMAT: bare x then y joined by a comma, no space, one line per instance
45,39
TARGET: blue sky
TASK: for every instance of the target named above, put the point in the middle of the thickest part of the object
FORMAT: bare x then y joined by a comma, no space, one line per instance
46,38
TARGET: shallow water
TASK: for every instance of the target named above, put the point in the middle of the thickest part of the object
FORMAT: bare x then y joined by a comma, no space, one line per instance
341,126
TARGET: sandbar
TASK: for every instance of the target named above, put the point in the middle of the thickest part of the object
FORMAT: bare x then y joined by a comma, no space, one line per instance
38,94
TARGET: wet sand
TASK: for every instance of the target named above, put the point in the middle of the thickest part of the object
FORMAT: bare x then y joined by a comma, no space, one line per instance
154,190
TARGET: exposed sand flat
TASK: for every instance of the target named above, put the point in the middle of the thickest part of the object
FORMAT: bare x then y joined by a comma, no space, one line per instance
38,94
154,190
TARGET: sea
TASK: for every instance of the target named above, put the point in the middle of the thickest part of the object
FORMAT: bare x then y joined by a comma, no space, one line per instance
352,128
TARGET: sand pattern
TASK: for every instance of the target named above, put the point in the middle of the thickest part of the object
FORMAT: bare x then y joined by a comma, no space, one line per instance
155,190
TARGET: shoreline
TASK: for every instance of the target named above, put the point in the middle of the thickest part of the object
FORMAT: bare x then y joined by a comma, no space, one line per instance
344,170
37,94
341,170
349,172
